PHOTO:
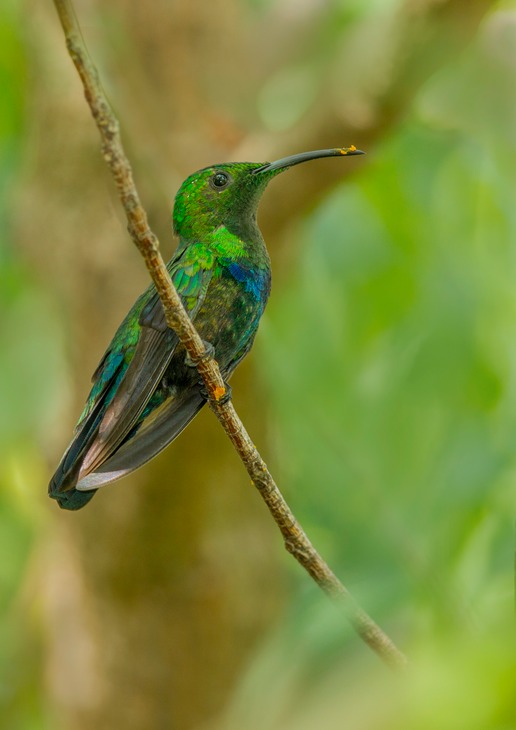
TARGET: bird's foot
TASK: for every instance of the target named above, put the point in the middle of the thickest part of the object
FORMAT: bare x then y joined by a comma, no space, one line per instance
221,395
209,355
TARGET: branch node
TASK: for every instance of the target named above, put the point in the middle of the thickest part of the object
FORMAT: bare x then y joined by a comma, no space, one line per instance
302,553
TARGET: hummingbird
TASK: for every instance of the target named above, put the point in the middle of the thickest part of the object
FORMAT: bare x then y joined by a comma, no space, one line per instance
145,389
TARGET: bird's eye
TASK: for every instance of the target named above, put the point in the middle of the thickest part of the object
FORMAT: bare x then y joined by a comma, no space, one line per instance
219,180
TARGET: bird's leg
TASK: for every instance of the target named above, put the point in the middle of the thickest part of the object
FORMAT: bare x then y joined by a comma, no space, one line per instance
192,363
209,355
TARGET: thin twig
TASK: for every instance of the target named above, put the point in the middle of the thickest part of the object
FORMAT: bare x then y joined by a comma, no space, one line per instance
296,541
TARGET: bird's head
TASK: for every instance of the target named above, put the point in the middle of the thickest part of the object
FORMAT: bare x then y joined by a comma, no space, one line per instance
228,194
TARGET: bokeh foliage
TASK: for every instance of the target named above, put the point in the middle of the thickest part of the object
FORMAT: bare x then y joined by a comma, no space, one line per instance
392,374
387,354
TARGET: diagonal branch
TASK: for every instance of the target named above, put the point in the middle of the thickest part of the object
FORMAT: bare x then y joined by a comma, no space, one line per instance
296,541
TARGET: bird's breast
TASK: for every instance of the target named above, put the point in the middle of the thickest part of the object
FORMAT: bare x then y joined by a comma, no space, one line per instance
230,314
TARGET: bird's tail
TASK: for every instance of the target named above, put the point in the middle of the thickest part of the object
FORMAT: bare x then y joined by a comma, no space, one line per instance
154,434
71,499
62,485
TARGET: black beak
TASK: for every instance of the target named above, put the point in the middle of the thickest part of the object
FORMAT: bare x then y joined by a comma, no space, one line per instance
305,157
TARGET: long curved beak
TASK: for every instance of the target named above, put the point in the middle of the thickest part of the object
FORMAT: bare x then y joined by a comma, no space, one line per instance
305,157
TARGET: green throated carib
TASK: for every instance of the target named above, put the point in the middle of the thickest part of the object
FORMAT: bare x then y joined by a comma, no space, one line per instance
145,391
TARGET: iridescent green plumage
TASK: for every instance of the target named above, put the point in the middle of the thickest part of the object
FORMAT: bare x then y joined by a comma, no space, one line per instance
144,390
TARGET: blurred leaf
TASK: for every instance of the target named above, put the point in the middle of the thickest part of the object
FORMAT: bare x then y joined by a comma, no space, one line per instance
395,413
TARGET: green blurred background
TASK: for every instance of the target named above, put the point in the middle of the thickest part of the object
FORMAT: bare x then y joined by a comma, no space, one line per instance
381,389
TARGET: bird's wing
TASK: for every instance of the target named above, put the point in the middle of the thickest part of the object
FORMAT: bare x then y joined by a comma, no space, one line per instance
191,275
156,432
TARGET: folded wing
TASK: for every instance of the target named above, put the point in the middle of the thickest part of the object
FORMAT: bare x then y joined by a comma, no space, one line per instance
110,431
